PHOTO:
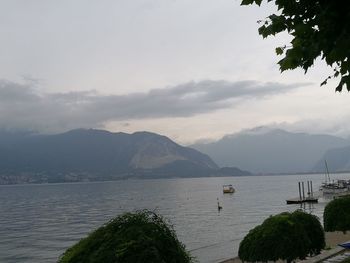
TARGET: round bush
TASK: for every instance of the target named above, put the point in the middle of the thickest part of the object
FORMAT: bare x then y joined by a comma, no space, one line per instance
142,236
336,216
285,236
313,229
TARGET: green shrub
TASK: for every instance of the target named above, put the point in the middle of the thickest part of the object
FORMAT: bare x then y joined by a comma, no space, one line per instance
142,236
249,248
336,215
285,236
313,229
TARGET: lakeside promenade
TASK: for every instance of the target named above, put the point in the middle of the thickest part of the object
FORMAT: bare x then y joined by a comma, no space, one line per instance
332,241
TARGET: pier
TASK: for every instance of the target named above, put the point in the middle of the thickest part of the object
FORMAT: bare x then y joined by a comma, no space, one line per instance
300,201
310,198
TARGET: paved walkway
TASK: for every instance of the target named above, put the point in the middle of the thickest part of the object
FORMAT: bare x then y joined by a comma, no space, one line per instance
338,258
325,256
334,255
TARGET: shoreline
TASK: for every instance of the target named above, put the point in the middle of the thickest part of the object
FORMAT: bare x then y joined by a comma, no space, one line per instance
332,240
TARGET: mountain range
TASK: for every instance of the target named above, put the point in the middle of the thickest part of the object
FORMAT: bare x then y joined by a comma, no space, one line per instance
94,155
265,151
338,160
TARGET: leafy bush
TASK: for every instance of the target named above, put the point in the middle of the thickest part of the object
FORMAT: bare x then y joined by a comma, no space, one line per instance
313,229
336,215
285,236
142,236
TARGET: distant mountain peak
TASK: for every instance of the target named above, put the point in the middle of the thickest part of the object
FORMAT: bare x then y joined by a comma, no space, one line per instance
91,154
270,150
146,133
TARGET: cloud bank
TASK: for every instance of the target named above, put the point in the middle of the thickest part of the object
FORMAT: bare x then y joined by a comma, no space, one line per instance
23,106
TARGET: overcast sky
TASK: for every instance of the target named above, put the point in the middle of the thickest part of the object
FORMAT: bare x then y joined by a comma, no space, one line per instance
188,69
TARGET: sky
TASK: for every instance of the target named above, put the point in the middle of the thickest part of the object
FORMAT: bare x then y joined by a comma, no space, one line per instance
188,69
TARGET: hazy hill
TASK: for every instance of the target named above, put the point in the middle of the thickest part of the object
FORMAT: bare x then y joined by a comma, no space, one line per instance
98,155
263,150
338,160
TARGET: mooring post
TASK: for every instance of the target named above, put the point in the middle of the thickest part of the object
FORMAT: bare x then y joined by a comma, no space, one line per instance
302,185
308,189
312,192
299,191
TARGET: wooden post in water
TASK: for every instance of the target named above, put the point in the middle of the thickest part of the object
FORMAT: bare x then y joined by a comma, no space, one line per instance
302,199
302,185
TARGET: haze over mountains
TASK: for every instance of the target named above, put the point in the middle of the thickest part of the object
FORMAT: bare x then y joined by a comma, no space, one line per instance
338,160
93,155
264,150
89,155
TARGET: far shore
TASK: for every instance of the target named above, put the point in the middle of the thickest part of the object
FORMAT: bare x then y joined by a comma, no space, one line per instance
332,240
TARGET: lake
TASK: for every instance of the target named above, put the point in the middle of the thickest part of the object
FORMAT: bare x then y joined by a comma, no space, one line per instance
39,222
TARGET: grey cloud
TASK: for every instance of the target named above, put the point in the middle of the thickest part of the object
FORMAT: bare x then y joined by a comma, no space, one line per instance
22,106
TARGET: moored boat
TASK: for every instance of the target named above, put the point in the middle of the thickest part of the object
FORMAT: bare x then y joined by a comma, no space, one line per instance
334,187
228,189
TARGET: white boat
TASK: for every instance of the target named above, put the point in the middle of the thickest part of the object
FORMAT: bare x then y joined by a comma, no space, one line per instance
334,187
228,189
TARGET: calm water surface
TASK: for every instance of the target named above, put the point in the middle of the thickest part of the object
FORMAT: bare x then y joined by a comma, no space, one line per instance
38,222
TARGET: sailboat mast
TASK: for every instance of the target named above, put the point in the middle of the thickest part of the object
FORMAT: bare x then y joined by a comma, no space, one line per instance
327,171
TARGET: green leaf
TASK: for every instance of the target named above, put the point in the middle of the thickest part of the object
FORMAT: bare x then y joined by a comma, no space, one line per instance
247,2
258,2
265,31
346,81
279,50
288,63
340,86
